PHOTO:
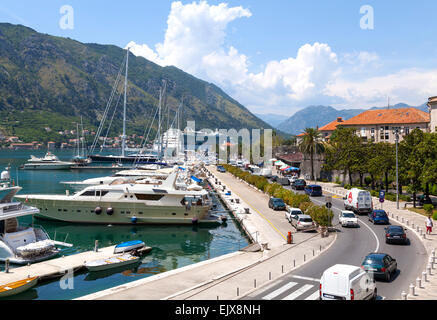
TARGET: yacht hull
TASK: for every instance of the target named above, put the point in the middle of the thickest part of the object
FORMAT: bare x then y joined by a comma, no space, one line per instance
123,213
29,166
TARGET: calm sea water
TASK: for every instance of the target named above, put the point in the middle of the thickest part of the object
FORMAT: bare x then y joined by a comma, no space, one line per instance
173,246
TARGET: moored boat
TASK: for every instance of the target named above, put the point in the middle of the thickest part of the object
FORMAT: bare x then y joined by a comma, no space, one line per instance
129,246
48,162
17,287
113,262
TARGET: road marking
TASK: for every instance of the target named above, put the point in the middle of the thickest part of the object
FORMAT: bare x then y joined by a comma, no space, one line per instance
299,292
376,237
281,290
314,296
306,278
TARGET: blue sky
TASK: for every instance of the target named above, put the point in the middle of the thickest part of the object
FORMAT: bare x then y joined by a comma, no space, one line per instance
286,54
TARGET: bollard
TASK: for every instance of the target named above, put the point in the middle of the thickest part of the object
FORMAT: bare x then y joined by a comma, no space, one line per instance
270,276
408,223
96,246
418,282
412,290
412,225
417,228
289,238
282,268
431,262
424,278
254,283
403,295
428,269
238,292
314,253
304,258
7,266
402,219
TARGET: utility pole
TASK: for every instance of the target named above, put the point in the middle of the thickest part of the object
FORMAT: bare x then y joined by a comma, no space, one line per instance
396,132
123,138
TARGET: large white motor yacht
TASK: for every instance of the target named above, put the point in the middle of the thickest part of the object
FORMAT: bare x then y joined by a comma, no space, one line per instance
127,203
48,162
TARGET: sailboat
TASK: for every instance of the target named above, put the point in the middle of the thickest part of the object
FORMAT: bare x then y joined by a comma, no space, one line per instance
80,158
123,158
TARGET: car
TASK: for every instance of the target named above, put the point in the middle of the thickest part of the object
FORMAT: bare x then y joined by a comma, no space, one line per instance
299,184
379,217
277,204
348,219
221,169
380,265
274,178
303,222
293,179
345,282
313,190
283,181
395,234
292,212
359,201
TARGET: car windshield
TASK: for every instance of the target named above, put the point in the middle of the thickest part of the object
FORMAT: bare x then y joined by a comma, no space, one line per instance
348,215
372,260
296,212
396,229
317,188
278,201
306,220
380,214
299,182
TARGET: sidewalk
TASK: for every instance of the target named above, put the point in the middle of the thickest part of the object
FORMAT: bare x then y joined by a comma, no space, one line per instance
235,275
416,223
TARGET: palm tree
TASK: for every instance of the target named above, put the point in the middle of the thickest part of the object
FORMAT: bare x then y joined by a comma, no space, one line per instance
312,144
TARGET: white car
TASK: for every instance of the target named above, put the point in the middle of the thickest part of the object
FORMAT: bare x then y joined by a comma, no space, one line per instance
348,219
292,212
344,282
303,222
293,179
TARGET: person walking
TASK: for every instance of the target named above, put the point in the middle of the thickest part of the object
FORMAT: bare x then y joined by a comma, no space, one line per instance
429,225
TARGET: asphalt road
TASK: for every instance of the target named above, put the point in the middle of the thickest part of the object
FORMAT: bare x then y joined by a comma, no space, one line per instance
352,245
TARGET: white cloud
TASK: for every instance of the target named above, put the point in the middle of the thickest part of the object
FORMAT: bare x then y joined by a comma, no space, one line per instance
195,42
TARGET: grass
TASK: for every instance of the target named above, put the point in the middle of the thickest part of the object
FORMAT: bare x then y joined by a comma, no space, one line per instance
421,211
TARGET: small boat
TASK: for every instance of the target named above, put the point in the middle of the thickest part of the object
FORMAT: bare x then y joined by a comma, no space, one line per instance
129,246
48,162
113,262
17,287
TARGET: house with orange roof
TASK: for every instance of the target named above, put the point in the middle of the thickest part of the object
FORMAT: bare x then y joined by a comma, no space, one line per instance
328,129
378,125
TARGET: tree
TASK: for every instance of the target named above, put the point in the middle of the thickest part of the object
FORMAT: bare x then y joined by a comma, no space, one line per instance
311,144
427,151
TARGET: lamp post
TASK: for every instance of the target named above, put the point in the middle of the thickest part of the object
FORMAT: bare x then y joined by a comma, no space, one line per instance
396,132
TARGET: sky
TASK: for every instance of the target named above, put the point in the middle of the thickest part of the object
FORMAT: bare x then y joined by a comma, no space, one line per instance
274,56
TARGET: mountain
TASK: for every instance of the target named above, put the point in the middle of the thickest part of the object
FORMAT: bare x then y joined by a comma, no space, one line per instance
318,116
49,82
272,119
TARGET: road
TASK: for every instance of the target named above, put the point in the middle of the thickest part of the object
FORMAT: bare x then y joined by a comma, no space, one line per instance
352,245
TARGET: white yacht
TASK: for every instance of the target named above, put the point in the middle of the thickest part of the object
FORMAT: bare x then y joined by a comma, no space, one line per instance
22,244
127,203
48,162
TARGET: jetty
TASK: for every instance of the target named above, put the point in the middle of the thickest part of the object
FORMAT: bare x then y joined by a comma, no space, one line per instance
55,268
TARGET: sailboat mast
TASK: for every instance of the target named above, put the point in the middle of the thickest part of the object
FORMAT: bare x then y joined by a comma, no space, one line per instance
123,138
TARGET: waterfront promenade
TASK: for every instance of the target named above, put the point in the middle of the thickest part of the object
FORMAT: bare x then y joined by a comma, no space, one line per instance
237,274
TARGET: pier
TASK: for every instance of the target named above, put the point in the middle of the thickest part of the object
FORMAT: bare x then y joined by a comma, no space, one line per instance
55,268
234,275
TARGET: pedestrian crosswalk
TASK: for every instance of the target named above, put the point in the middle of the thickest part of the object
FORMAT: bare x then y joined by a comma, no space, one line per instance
300,288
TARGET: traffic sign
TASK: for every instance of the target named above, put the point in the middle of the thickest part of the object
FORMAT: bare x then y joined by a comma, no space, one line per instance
328,205
382,196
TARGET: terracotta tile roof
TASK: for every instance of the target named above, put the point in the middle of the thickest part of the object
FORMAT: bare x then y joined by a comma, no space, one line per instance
389,116
301,135
333,125
294,157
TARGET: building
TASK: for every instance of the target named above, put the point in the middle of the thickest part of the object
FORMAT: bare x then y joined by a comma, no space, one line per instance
327,130
23,146
432,106
378,125
51,145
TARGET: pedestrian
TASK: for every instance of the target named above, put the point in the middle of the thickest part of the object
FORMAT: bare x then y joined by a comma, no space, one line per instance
429,225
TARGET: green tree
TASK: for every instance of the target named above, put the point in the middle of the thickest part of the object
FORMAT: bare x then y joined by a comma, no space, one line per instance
312,144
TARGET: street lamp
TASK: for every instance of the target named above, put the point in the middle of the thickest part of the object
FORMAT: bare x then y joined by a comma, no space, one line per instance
396,132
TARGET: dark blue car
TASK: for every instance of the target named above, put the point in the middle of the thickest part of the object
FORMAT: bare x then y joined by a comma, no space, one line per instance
221,169
378,217
314,190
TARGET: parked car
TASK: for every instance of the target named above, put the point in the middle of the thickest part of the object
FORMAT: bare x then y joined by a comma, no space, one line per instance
274,178
395,234
381,265
345,282
359,201
303,222
283,181
293,179
379,217
276,204
292,212
299,184
348,219
314,190
221,169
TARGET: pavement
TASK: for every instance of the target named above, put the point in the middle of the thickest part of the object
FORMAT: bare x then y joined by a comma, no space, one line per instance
237,274
416,224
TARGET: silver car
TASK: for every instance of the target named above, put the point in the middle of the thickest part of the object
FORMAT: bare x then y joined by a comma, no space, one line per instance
303,223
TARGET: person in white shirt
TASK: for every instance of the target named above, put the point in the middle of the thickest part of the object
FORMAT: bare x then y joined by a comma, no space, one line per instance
429,225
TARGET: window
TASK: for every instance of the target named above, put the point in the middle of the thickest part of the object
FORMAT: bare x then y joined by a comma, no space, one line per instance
387,136
149,197
407,130
363,132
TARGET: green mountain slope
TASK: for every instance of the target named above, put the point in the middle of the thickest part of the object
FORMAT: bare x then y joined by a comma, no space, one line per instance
48,81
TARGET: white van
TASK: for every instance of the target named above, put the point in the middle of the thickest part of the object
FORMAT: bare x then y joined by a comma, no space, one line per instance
359,201
344,282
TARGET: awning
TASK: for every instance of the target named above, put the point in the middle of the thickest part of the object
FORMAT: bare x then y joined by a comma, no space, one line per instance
292,169
196,179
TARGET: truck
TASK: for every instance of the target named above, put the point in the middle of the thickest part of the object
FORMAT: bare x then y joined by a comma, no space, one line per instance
359,201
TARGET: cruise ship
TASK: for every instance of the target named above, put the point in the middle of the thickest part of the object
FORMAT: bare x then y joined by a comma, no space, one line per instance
127,203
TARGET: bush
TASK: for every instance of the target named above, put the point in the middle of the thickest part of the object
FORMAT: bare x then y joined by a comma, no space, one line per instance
321,215
429,209
367,181
434,216
304,206
337,180
347,186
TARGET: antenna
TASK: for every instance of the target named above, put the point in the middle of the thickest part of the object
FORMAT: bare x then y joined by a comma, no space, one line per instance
388,102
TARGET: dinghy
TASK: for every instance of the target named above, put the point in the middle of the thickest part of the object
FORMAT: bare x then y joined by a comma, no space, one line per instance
129,246
113,262
17,287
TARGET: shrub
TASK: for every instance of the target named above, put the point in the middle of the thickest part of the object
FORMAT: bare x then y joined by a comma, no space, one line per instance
321,215
347,186
368,181
304,206
337,180
429,209
434,216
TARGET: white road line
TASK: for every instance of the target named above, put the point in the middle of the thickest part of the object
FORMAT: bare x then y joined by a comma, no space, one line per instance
314,296
281,290
299,292
376,237
307,278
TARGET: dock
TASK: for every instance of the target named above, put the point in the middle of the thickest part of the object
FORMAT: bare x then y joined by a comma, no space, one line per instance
55,268
101,168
